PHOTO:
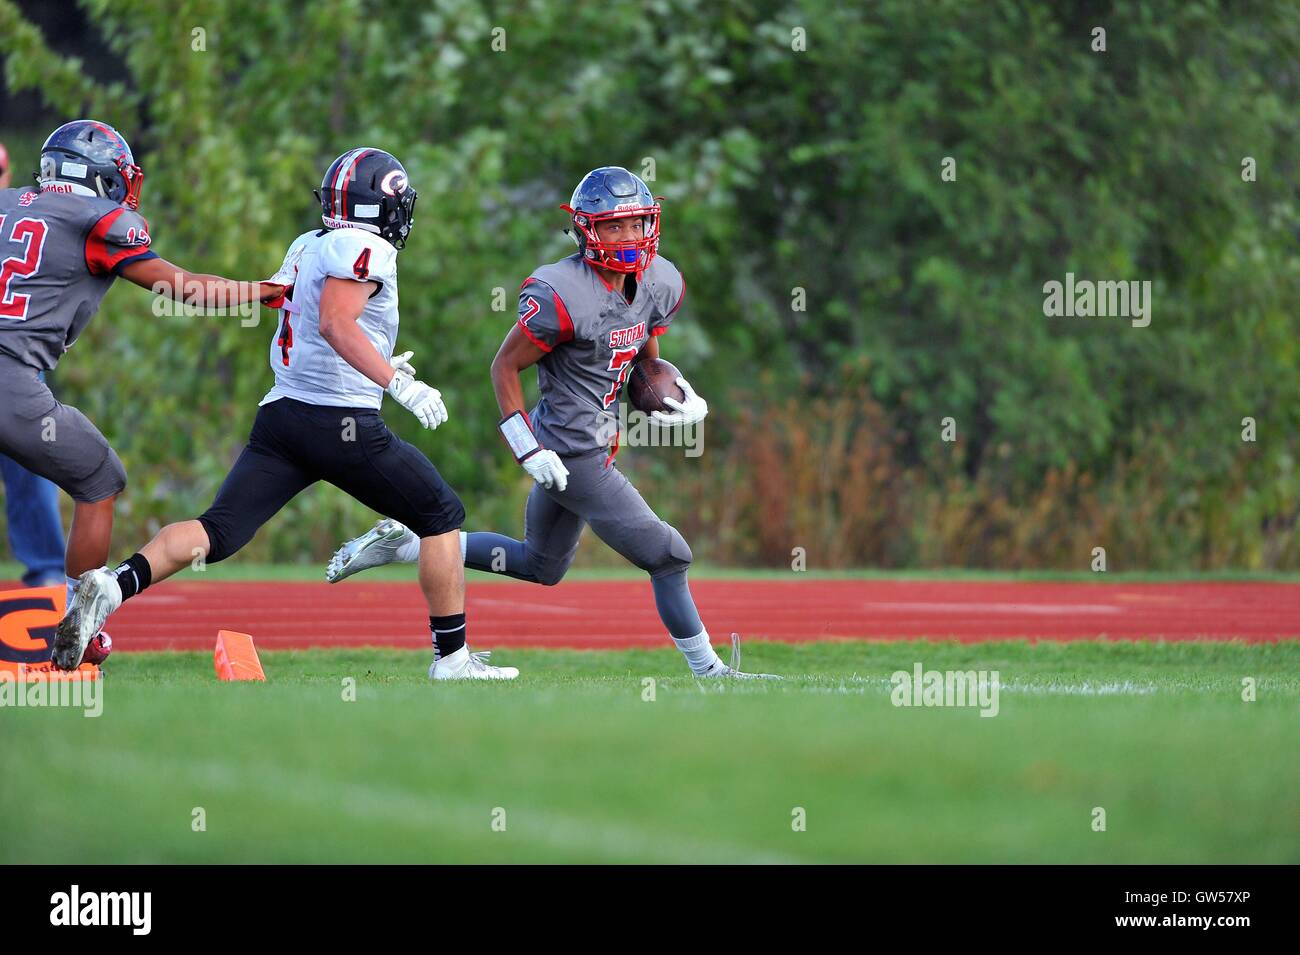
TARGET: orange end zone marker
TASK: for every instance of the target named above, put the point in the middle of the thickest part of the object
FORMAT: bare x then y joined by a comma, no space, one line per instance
236,657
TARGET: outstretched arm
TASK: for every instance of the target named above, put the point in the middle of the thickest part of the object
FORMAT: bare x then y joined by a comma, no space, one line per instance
204,291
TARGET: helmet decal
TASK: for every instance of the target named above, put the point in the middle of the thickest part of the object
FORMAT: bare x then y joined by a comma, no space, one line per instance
90,158
368,189
394,182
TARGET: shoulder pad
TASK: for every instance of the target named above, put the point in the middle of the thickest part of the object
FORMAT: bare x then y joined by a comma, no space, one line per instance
358,255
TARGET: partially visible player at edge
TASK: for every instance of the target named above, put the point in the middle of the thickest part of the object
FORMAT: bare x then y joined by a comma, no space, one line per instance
62,245
333,360
584,321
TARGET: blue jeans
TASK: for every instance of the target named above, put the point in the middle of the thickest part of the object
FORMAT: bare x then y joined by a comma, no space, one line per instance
35,528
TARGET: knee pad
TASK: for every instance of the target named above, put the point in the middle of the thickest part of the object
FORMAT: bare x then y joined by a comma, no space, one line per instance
550,570
550,573
219,544
116,472
676,554
448,515
108,480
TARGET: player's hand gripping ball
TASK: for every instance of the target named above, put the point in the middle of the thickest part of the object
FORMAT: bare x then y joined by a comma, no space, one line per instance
98,649
652,380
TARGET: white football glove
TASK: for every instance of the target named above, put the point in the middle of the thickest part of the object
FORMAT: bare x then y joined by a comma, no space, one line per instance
547,469
694,409
419,399
402,363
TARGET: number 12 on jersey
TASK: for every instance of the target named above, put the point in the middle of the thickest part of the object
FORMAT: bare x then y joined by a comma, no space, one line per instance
31,232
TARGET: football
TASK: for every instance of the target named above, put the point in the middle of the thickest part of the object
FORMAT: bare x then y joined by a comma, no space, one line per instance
652,380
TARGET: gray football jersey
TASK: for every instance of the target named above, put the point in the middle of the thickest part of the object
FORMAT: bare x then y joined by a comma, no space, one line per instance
59,255
591,334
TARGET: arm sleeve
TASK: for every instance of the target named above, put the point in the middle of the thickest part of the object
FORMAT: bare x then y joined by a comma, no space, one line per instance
118,238
360,256
543,315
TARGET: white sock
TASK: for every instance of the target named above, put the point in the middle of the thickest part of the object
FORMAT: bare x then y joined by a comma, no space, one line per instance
698,651
72,587
408,552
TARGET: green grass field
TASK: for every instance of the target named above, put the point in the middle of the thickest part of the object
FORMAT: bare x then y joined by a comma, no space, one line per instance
580,767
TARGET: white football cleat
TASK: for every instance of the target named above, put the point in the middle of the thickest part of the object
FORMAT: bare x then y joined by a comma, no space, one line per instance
97,595
374,548
723,671
463,665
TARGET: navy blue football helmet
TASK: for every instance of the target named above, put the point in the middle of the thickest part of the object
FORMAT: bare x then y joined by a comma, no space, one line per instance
91,159
611,192
368,189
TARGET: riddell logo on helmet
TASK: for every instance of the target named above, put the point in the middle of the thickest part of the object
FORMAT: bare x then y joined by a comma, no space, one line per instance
334,223
57,187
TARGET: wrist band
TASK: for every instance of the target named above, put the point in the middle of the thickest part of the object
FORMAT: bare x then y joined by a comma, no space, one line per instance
519,436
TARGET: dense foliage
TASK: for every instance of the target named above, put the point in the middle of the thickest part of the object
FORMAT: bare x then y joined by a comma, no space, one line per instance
845,296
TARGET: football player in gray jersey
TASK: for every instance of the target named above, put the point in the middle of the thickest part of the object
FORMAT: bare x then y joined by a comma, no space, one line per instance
62,245
584,322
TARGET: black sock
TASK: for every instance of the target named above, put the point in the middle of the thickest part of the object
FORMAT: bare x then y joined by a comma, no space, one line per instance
448,634
133,575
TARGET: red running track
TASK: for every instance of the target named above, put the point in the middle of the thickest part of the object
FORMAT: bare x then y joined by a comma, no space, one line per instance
186,616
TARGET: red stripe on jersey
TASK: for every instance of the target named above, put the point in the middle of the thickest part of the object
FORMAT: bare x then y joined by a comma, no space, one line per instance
533,338
101,257
566,323
612,452
658,330
683,297
561,312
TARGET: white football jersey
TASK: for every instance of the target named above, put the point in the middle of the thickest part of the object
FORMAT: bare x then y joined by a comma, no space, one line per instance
306,367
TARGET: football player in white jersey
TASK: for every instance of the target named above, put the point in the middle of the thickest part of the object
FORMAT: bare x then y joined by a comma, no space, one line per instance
333,360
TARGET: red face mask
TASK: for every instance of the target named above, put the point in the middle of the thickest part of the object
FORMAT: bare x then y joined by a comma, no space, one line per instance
133,176
633,255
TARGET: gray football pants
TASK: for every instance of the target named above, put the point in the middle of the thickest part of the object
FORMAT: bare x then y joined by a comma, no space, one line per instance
605,499
52,439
